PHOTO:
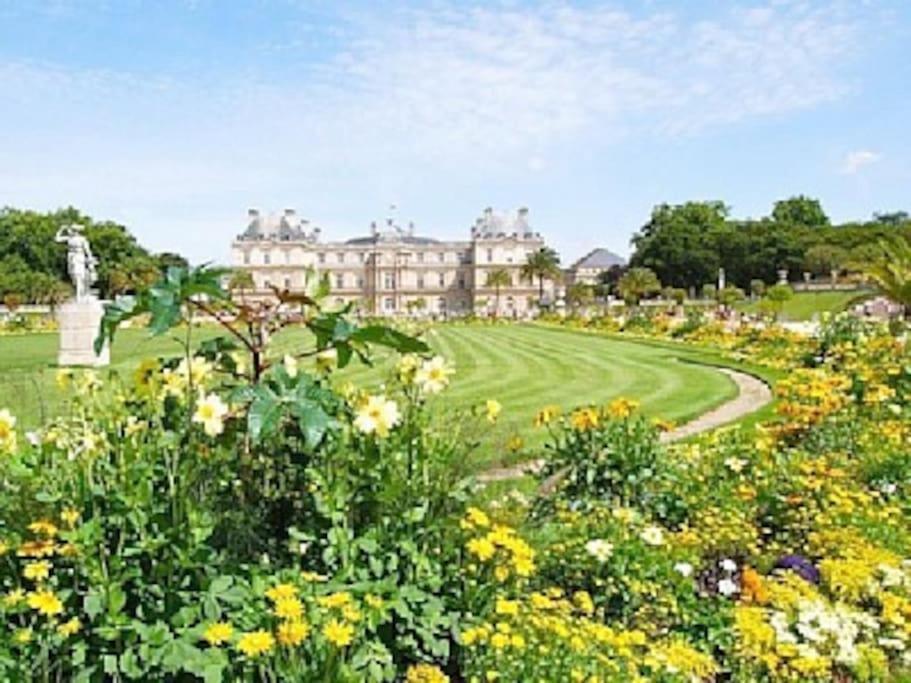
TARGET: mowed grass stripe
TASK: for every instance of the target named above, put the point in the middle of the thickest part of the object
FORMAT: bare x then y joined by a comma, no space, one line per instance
523,366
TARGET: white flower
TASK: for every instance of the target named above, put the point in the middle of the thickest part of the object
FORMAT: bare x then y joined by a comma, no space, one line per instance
433,375
210,413
377,416
728,565
685,569
600,549
727,587
290,363
735,464
652,535
34,438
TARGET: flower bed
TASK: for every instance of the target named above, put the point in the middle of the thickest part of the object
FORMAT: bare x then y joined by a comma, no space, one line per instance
231,516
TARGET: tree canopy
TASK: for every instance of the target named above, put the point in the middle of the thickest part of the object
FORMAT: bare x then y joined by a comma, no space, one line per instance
686,244
33,264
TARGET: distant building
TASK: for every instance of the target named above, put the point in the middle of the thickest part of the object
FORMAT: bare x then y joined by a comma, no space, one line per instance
588,268
392,270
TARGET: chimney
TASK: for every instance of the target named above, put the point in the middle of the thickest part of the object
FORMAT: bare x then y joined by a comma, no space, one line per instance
411,228
373,230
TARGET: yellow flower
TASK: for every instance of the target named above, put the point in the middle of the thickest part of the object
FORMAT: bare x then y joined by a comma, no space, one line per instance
293,633
218,633
546,415
63,377
4,548
482,548
493,410
621,408
584,419
37,571
69,517
313,577
433,375
7,430
69,628
376,415
289,608
210,413
507,607
14,597
338,633
23,636
255,643
45,602
425,673
515,444
43,528
282,591
374,601
351,614
335,600
475,517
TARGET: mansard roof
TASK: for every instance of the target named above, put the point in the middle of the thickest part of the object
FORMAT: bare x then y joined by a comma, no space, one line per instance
599,258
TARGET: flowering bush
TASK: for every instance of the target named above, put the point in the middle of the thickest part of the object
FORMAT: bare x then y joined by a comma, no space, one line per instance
237,515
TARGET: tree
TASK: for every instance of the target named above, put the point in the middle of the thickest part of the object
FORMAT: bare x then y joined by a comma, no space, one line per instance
32,259
580,294
776,297
730,295
240,279
822,259
638,283
675,294
757,287
543,264
498,278
608,279
892,217
890,272
799,210
680,244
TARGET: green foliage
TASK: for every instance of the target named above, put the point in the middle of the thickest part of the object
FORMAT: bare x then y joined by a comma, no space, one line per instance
686,244
637,284
800,210
34,265
542,265
890,271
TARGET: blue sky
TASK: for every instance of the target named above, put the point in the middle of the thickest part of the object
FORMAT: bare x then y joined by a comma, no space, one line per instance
175,117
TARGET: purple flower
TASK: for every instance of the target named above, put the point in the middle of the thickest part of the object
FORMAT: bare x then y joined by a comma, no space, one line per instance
797,563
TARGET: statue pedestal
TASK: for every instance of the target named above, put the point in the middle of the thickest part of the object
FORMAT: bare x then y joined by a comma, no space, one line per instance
78,322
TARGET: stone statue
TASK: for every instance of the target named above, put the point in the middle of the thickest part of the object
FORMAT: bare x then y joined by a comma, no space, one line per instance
80,262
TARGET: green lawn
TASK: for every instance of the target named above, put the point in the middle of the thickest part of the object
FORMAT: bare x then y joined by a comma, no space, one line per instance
807,305
523,367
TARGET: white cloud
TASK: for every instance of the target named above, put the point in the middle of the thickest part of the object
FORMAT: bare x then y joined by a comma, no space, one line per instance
406,99
856,161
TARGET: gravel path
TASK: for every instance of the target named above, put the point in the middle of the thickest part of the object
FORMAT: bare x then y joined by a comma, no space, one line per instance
752,395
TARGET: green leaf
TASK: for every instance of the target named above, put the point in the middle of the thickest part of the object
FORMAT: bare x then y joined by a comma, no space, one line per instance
264,415
386,336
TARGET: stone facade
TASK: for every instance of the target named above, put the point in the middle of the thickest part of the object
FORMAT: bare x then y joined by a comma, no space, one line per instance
393,271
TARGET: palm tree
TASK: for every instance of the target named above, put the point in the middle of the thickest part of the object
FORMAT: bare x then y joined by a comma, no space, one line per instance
579,294
637,283
496,279
543,264
890,272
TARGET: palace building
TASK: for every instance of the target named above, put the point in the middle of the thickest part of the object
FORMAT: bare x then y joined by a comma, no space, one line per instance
394,271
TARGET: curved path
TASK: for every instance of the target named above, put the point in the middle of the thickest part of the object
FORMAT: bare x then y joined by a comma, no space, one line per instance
752,395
